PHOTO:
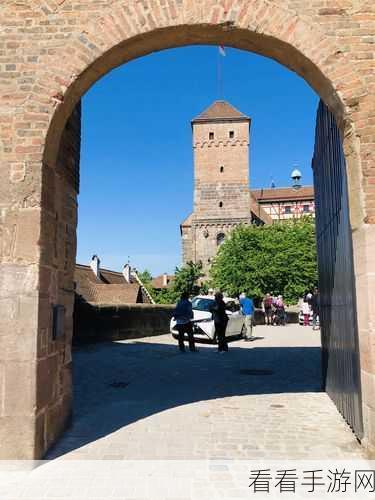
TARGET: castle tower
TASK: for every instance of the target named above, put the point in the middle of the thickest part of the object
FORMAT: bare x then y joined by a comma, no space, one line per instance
221,172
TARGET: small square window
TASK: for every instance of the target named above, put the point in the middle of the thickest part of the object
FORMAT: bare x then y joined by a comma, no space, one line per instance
231,134
288,210
211,136
306,209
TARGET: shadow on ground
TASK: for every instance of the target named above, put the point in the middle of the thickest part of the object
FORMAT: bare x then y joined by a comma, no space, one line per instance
117,383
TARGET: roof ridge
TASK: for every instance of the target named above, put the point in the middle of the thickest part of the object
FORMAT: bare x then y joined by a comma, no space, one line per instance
283,187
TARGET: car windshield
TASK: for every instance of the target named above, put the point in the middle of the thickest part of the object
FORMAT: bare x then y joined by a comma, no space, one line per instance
200,304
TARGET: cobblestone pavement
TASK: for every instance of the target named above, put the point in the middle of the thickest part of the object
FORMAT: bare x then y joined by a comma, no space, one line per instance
142,399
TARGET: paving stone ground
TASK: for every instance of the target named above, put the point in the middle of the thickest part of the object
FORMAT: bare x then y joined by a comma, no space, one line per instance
142,399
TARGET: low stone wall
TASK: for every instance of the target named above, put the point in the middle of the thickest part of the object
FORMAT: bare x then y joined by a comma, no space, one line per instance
292,317
109,322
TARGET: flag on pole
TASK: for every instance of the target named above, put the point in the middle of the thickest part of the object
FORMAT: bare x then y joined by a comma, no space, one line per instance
222,50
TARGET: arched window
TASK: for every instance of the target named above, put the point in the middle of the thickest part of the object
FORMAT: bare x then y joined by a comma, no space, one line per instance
220,239
220,204
221,169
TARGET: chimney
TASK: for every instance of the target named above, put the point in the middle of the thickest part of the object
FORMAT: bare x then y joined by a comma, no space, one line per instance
95,265
126,271
165,279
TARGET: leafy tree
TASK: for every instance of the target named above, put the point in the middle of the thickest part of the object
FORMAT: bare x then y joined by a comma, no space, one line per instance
145,276
279,258
186,280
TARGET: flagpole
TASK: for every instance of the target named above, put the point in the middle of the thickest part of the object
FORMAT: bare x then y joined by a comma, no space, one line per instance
219,74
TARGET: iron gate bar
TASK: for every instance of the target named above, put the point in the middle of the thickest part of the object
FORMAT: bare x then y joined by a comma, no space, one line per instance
338,314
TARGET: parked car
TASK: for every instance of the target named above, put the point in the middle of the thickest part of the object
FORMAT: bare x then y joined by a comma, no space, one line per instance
301,319
203,325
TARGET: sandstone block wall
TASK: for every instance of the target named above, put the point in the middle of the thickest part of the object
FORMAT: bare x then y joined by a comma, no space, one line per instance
221,170
102,323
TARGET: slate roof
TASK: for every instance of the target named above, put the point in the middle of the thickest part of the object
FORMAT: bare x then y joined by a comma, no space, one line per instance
284,194
220,111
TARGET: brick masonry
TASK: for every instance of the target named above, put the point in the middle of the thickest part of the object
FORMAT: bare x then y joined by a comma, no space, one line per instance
51,52
221,187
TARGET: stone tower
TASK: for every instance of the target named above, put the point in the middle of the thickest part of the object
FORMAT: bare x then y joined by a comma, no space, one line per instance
221,172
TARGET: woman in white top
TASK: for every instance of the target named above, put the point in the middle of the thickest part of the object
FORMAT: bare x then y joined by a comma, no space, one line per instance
306,313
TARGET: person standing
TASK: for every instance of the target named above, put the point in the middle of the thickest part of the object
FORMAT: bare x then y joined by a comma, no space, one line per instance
247,308
267,306
280,311
183,314
315,306
306,313
220,320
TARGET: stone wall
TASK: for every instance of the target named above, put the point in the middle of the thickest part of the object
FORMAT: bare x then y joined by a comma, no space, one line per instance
221,171
98,323
52,52
109,322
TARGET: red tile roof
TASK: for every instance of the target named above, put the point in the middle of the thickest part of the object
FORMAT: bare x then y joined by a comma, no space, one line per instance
158,281
220,111
109,288
284,194
127,293
258,211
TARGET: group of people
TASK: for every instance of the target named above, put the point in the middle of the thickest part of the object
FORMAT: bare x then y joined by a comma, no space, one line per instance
274,310
183,315
311,303
274,314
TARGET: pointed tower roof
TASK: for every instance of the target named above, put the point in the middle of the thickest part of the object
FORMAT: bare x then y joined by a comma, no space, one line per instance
220,111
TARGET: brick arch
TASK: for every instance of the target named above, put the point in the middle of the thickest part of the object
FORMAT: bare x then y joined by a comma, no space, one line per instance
57,49
134,29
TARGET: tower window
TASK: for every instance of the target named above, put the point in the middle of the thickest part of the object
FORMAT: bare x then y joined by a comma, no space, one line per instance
220,204
220,239
211,136
231,134
221,169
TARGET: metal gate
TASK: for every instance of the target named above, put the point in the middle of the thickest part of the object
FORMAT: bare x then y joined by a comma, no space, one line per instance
338,317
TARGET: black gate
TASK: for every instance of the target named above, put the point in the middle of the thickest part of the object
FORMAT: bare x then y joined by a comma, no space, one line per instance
340,351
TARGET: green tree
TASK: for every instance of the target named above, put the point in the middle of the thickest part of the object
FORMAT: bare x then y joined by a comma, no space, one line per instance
279,258
145,276
186,280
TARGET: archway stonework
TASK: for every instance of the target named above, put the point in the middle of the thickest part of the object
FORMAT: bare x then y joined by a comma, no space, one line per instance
52,51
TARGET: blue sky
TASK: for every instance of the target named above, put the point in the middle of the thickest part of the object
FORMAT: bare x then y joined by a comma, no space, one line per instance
136,160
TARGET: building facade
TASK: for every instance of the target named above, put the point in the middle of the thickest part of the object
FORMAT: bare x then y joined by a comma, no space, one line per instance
222,198
287,203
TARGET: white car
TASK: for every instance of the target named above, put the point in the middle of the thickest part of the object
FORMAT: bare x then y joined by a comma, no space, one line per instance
203,325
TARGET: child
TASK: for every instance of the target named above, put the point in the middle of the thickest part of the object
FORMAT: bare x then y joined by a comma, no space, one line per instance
306,313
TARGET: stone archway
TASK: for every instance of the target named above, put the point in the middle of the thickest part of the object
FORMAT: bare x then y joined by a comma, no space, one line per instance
54,51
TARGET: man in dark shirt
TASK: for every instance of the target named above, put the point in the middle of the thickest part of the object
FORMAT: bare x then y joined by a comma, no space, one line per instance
183,315
315,306
221,320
